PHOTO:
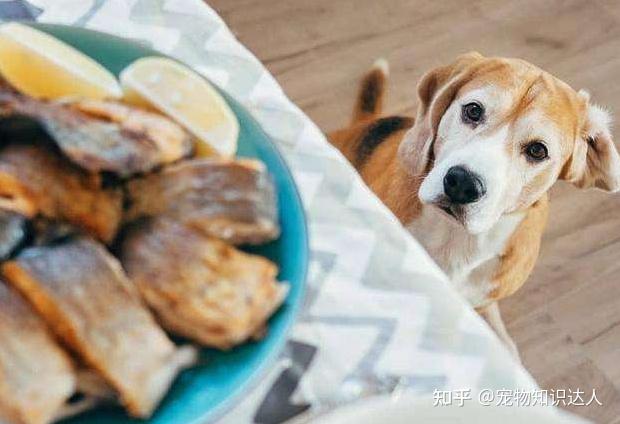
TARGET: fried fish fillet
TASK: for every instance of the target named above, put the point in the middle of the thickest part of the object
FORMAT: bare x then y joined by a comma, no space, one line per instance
45,232
201,287
12,232
103,135
231,200
36,376
36,180
85,297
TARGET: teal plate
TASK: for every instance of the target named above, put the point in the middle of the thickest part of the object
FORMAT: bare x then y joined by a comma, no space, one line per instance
205,392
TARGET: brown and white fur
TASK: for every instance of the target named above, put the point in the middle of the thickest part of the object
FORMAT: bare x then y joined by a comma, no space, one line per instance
488,247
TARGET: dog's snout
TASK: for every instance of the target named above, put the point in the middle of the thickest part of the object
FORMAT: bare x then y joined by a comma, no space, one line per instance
462,186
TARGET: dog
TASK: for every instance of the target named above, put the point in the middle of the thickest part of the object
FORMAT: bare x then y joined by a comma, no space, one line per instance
469,176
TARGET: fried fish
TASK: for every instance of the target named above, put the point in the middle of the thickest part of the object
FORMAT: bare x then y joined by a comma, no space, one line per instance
36,180
86,298
36,375
231,200
199,286
12,232
103,135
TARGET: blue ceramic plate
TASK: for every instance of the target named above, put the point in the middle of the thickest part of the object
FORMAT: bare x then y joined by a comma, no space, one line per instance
204,392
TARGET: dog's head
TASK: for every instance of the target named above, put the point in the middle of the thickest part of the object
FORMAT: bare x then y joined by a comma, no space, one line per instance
492,135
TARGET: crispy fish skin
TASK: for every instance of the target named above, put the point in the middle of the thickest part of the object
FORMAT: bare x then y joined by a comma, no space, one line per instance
103,135
85,297
12,232
199,286
35,180
231,200
36,375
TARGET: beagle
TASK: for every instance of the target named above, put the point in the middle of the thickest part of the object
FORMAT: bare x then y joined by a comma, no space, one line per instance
469,176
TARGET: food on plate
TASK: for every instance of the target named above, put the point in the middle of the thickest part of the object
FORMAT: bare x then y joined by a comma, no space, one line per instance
36,180
12,232
44,231
36,375
103,135
83,294
231,200
40,65
177,91
198,286
88,180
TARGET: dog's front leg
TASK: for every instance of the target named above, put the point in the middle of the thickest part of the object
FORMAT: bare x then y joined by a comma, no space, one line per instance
493,316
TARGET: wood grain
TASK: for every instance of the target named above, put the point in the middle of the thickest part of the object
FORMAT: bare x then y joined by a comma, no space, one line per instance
566,320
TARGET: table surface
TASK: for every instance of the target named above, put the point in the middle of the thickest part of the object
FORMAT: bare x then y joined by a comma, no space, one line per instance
379,314
566,319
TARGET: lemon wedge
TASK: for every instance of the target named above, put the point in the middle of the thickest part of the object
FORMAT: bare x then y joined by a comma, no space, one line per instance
186,97
42,66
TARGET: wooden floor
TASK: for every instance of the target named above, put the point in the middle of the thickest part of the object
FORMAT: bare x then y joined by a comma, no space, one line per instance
566,320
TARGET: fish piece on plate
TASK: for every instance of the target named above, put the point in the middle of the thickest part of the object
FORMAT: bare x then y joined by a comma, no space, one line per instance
45,231
86,298
199,286
12,232
36,180
36,375
101,135
231,200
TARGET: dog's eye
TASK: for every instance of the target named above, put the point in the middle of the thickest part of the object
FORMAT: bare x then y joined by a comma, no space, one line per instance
472,113
536,151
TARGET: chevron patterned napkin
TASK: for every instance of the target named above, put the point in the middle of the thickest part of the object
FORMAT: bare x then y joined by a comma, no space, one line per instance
380,314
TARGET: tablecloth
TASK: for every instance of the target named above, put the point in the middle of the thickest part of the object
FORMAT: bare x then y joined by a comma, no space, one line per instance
379,313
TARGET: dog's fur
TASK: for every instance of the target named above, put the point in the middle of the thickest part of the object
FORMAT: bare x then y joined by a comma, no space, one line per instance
489,247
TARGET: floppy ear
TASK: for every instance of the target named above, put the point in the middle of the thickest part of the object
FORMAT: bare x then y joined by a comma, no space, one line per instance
436,90
595,161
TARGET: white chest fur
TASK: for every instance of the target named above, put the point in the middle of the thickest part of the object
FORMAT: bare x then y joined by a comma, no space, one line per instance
470,261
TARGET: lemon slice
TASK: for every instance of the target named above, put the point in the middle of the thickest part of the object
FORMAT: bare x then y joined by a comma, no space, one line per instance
186,97
42,66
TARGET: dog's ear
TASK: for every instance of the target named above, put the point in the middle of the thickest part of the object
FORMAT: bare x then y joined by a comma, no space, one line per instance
594,161
436,90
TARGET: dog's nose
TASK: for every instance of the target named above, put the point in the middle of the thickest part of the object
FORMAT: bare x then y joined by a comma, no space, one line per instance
462,186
